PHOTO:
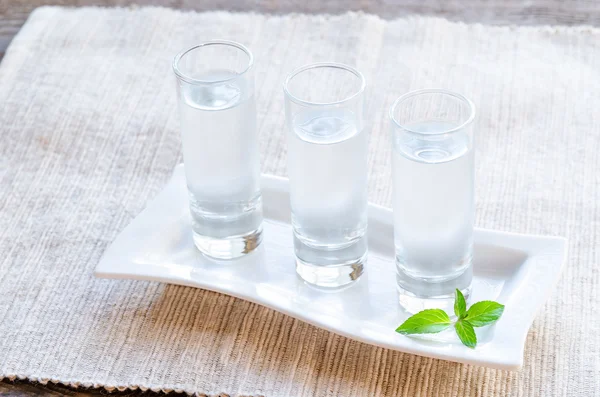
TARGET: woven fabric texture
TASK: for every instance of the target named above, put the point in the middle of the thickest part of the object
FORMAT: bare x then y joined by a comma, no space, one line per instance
89,134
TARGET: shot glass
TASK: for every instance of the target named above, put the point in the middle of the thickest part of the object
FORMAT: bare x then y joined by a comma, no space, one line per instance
327,168
433,196
215,90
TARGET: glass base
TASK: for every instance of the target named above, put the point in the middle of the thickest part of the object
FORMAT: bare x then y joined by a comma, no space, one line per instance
417,294
331,276
414,304
330,266
228,247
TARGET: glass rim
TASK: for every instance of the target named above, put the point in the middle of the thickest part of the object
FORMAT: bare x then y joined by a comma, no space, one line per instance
229,43
411,94
334,65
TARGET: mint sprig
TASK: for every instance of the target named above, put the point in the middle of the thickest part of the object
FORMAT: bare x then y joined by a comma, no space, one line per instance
460,305
435,320
466,333
484,313
427,322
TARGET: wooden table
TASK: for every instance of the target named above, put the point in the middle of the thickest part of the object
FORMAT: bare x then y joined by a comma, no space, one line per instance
13,14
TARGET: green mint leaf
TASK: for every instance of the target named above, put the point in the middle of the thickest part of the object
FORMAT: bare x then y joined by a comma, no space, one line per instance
428,321
466,333
484,313
460,305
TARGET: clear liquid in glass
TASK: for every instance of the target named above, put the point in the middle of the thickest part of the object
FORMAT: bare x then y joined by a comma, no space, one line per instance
220,151
327,166
434,209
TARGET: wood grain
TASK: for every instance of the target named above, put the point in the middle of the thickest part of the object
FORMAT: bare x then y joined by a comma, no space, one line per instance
24,388
13,14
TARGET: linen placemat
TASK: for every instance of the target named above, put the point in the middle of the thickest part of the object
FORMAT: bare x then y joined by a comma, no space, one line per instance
89,134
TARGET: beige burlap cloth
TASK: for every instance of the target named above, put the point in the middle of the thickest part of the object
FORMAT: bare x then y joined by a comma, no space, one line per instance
89,134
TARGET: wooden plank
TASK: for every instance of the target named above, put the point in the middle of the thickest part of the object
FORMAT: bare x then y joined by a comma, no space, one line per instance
13,13
24,388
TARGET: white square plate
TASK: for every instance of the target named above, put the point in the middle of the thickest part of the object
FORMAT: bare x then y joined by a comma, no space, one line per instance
517,270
